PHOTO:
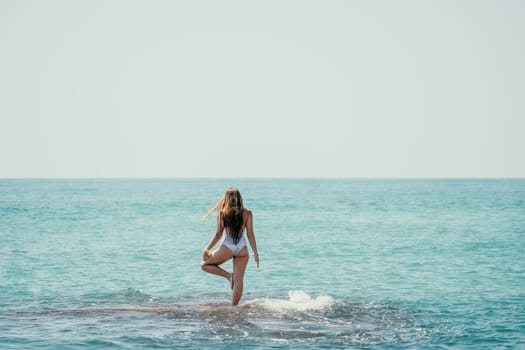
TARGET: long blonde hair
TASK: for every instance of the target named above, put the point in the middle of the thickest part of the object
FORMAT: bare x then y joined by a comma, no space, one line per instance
230,212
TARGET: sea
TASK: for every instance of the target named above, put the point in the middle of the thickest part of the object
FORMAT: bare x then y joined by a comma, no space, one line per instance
344,264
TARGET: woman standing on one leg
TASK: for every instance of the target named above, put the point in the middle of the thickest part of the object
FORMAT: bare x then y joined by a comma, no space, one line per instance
232,221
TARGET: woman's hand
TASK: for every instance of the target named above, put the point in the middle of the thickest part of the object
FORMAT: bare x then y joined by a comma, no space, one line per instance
256,257
206,254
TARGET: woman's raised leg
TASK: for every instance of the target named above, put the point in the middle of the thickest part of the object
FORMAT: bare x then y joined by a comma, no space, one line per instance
218,257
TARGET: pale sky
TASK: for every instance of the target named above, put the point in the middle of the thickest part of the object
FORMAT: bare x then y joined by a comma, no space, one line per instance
262,88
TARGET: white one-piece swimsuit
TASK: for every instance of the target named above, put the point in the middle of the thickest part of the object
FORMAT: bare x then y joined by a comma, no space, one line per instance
229,242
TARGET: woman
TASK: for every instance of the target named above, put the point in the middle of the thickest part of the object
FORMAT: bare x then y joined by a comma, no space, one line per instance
232,221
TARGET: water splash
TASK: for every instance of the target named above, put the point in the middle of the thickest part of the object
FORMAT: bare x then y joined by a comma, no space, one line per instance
297,301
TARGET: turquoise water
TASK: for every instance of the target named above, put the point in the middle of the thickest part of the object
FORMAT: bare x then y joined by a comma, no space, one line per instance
394,264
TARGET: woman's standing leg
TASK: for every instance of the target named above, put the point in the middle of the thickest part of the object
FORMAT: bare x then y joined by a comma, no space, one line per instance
239,266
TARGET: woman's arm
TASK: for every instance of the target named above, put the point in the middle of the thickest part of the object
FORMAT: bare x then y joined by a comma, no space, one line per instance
216,238
251,236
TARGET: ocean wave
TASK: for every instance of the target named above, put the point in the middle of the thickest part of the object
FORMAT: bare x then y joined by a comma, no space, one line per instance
297,318
123,296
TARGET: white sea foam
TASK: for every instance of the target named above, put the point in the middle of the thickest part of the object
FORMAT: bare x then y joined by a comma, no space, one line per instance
297,301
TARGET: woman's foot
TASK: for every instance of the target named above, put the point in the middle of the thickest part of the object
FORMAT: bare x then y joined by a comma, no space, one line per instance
231,280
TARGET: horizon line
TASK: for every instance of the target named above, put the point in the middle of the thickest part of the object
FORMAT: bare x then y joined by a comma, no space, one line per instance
265,178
